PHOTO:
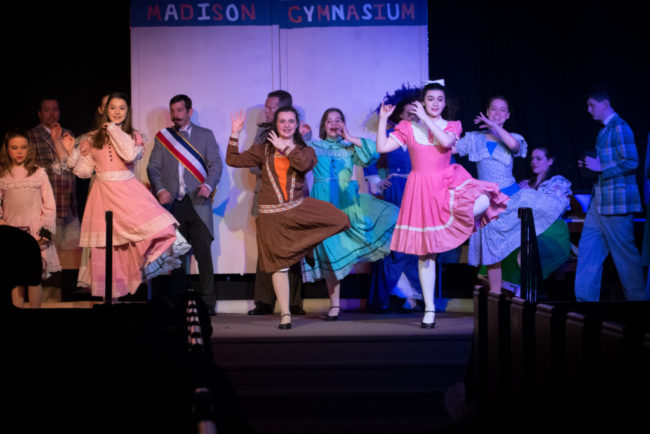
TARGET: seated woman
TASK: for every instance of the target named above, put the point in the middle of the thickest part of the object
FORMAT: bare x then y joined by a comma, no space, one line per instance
550,195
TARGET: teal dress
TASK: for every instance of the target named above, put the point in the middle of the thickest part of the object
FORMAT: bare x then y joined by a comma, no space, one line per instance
372,219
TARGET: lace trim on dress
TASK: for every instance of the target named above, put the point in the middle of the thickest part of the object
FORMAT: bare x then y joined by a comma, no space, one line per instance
118,175
28,183
139,233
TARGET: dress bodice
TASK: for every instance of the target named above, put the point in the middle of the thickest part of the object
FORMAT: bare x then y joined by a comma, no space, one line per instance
426,154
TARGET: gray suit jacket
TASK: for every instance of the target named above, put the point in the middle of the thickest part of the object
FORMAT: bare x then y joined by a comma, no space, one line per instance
163,172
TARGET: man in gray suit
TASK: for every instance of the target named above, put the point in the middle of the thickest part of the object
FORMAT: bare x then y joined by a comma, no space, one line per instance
184,169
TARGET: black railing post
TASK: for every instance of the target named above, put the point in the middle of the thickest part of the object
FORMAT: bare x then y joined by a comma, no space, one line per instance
531,269
108,285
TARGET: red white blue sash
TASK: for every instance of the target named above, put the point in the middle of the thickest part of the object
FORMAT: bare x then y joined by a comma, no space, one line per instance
184,152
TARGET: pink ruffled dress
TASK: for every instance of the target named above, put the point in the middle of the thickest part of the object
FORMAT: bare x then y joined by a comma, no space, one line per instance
144,233
27,202
437,212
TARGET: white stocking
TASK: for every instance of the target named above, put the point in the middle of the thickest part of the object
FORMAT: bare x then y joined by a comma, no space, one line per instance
427,273
281,287
481,205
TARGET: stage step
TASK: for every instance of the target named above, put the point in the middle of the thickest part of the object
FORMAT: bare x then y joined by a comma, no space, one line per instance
345,382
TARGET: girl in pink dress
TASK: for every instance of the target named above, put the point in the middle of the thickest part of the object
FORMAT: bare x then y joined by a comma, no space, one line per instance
27,202
442,203
145,240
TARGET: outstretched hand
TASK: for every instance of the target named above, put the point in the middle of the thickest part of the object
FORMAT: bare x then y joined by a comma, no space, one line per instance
484,121
386,110
275,140
237,121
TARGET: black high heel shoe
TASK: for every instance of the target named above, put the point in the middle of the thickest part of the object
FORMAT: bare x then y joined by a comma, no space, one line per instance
285,326
333,317
429,325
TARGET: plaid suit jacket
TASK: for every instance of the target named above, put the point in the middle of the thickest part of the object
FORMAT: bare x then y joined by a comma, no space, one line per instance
62,180
616,191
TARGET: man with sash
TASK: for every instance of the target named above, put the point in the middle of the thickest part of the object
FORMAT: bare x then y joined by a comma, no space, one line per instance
184,169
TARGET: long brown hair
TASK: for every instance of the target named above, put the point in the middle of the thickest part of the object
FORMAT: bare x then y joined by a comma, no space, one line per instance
321,130
5,161
99,136
297,137
533,180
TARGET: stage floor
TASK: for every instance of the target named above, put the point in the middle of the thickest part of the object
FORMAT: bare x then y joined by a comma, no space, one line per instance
312,325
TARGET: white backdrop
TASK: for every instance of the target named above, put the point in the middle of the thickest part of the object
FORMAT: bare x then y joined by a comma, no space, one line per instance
224,68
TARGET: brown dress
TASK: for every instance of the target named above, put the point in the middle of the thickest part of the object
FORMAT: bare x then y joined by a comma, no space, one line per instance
289,225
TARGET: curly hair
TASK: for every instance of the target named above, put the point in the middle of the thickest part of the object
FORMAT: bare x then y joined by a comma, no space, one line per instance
400,98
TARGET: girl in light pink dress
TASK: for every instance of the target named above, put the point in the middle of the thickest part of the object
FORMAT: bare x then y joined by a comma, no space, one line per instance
145,240
442,203
27,202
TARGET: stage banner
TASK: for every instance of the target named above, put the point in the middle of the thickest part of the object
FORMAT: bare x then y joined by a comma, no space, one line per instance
287,14
227,56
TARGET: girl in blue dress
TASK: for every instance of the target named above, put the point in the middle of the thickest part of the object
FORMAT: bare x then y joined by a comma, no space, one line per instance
372,220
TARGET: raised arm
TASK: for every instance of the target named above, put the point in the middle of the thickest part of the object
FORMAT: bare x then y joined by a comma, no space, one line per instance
445,139
499,132
250,158
385,144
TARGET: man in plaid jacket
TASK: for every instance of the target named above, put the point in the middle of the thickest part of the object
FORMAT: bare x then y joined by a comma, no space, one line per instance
609,224
51,156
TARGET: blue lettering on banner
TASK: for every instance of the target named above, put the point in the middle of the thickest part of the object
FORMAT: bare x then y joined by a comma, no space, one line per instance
287,14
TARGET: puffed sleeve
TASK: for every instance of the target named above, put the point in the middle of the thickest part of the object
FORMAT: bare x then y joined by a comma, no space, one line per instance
523,146
84,165
366,154
401,132
466,144
123,143
455,128
48,204
558,185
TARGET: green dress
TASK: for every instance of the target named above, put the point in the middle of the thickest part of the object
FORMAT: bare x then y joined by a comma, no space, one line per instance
372,219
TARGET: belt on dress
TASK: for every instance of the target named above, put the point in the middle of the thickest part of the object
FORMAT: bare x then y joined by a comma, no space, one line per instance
120,175
280,207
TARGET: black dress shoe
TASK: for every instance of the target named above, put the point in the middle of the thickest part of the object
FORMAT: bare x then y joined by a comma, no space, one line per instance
333,317
261,309
296,310
428,325
287,325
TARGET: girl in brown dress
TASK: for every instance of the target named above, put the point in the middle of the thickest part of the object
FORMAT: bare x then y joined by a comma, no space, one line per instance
289,225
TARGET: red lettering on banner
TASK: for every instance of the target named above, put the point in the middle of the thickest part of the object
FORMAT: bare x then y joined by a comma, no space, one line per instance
323,12
187,13
379,16
153,11
218,16
352,10
291,17
410,11
245,11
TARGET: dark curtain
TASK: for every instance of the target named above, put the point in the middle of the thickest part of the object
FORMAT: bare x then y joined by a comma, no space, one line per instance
544,57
